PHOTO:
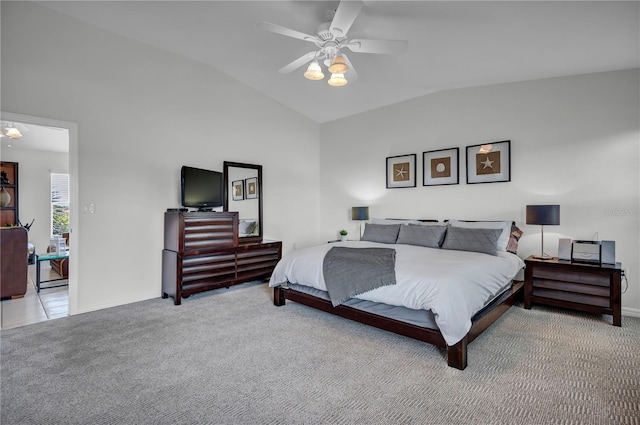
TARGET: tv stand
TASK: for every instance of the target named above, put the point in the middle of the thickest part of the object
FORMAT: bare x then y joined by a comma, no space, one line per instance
202,252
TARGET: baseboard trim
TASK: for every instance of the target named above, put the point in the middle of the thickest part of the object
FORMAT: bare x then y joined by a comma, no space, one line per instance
111,304
632,312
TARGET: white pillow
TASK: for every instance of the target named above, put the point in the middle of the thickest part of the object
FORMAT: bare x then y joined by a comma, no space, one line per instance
247,226
389,221
430,223
503,240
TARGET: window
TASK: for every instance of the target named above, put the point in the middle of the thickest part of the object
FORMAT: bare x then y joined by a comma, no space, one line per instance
59,203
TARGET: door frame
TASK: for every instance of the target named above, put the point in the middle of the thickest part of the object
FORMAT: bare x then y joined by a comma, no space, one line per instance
74,220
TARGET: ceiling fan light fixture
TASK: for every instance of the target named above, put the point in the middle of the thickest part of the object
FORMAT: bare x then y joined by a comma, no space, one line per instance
337,80
314,72
13,133
338,65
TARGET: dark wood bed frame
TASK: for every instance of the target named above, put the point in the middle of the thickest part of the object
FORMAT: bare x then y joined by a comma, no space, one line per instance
456,354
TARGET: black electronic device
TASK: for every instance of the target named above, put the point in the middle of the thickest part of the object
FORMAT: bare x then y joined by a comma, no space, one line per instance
199,188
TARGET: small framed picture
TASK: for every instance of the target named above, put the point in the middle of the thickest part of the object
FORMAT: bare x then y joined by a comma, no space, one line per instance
237,188
489,162
441,167
401,171
251,186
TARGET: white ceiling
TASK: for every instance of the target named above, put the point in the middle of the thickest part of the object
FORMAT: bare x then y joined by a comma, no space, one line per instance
452,44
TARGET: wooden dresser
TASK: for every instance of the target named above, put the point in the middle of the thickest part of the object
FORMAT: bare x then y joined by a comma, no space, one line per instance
202,252
578,286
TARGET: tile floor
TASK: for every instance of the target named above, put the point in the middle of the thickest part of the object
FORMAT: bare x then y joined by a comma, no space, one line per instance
49,304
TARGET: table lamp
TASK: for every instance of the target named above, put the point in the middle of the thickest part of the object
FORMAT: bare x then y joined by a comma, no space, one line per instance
360,214
543,215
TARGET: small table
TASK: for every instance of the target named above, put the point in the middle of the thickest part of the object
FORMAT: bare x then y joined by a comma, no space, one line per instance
46,257
593,288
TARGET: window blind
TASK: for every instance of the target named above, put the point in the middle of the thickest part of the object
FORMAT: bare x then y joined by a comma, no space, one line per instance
59,188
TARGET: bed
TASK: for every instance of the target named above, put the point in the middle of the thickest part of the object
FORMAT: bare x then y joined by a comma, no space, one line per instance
449,281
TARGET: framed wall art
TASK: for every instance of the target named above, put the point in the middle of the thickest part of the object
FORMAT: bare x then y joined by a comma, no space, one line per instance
237,188
489,162
251,186
441,167
401,171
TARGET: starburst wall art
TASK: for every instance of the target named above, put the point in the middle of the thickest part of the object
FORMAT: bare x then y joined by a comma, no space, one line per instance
401,171
489,162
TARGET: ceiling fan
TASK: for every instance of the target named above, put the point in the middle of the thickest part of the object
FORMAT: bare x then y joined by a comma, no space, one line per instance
330,39
12,130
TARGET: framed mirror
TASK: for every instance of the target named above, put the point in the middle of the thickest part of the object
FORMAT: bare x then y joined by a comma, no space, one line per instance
243,193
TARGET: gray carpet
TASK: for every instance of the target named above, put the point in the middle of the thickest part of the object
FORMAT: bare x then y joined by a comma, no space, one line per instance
231,357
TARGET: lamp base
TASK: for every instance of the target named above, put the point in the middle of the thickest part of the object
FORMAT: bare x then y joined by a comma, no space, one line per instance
543,257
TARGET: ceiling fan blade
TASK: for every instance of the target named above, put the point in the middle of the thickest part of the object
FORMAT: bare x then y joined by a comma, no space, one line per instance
345,15
307,57
278,29
351,73
382,47
23,128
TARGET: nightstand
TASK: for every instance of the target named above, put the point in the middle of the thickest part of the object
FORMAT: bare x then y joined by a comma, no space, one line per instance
593,288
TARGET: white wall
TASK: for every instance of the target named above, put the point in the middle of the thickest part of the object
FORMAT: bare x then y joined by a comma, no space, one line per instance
34,179
574,142
142,113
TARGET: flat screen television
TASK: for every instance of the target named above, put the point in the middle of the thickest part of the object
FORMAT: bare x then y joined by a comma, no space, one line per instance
202,189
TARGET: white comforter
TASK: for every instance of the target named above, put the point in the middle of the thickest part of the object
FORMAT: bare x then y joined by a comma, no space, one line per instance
454,285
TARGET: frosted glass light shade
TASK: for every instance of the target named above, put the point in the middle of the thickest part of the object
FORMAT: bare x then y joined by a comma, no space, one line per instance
314,72
337,80
13,133
338,66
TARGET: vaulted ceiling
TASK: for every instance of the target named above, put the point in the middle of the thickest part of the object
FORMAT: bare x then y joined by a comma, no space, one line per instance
451,44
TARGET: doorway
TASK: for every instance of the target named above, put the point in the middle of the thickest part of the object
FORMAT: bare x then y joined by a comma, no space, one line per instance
31,154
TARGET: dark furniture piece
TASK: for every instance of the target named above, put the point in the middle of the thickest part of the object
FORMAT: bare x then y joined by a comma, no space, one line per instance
456,354
13,250
51,257
61,265
593,288
9,188
201,252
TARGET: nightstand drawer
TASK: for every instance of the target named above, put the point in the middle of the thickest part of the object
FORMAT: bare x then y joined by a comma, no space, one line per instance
577,288
572,297
572,276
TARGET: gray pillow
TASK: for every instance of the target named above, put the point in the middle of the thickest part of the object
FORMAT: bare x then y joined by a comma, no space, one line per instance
415,234
476,240
383,233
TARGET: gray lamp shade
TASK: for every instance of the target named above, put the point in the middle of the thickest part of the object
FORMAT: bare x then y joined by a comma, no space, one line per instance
359,213
543,214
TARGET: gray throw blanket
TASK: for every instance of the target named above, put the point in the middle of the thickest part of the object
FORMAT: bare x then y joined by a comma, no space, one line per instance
352,271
